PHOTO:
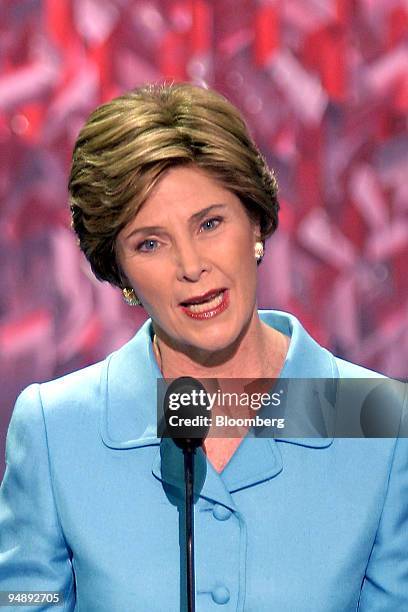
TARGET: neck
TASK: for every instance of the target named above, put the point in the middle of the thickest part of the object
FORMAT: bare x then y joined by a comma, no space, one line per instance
259,352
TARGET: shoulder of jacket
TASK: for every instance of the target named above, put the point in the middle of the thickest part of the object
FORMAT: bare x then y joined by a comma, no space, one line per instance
347,369
80,390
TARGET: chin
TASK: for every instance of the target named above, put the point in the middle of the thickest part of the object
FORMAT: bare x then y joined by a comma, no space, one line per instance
215,339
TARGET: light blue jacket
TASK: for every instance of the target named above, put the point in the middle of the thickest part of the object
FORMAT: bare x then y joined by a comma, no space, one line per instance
91,503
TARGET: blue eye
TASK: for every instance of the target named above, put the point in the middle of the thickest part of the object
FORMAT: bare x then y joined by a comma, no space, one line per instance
211,224
147,245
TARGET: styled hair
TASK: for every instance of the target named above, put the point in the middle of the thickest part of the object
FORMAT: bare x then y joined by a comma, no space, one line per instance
128,143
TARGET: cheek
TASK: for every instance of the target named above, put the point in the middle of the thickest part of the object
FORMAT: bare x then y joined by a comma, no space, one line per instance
239,248
155,290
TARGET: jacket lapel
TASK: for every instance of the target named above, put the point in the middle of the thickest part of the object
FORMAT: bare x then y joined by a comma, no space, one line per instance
128,392
168,467
309,378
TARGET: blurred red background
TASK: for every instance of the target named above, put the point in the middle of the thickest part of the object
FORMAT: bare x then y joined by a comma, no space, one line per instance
323,85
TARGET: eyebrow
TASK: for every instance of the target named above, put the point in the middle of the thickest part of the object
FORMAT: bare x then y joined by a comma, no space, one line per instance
195,217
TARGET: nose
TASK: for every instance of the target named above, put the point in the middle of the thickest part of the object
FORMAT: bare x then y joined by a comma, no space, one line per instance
190,261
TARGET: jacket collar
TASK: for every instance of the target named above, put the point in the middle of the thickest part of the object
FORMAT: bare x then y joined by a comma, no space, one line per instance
129,381
309,377
255,461
128,390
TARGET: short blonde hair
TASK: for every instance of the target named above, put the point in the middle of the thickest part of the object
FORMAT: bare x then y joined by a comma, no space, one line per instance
128,143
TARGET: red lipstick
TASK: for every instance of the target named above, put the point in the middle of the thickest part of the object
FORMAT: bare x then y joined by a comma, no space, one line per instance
196,309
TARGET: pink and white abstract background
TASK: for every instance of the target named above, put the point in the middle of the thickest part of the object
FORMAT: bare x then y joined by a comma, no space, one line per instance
324,87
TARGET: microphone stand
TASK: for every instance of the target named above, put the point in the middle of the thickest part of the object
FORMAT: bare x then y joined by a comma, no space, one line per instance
189,453
188,440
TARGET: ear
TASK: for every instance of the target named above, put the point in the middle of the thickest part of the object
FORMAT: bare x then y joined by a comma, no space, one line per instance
256,227
123,278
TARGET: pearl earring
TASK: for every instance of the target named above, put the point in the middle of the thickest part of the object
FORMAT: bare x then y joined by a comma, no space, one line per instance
259,251
130,297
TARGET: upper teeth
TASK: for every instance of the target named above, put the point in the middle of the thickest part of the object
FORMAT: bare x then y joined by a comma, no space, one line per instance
210,302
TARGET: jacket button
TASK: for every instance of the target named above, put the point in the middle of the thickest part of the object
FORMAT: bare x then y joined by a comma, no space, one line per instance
221,513
220,595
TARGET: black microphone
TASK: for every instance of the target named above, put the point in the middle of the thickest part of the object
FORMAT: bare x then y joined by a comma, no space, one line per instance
186,412
188,422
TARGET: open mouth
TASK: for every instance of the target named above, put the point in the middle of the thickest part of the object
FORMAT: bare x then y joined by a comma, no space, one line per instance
208,306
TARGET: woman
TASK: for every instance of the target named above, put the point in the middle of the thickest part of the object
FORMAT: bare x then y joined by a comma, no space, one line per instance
171,202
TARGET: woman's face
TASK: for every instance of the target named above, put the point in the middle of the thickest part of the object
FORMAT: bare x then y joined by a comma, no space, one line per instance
191,237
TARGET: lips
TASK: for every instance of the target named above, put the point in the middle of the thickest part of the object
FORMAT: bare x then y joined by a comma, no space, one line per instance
211,304
204,297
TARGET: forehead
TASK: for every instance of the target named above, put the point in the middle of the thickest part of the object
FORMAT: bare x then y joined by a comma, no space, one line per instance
185,189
